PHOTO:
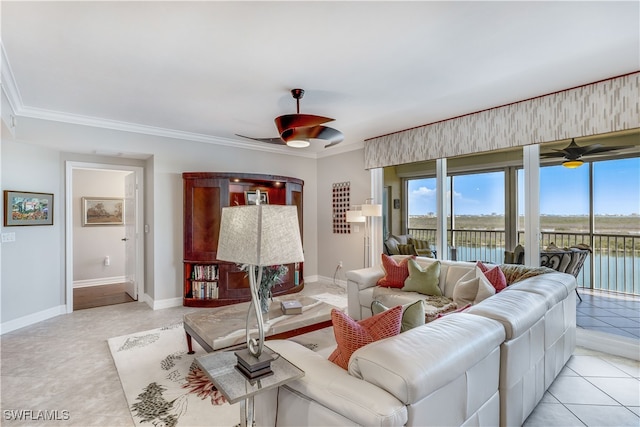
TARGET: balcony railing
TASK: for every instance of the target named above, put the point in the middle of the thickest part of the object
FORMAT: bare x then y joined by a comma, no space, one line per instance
614,264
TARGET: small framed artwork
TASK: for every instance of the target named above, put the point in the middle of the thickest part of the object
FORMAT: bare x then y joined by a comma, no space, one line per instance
26,208
250,197
102,211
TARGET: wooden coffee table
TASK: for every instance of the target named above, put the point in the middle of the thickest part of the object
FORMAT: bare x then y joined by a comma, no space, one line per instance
225,327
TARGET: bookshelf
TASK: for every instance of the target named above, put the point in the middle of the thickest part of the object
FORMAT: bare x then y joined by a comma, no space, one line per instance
207,281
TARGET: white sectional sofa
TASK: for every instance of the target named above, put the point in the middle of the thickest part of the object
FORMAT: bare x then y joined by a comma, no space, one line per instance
487,366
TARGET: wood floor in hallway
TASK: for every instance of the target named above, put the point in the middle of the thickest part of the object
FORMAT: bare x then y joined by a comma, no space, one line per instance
98,296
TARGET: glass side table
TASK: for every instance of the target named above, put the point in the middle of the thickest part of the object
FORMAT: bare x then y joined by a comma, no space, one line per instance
220,367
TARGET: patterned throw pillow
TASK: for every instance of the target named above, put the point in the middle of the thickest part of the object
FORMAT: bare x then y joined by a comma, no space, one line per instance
406,250
424,281
495,276
413,314
351,335
394,273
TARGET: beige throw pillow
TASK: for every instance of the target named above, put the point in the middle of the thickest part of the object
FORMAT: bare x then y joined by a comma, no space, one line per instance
472,288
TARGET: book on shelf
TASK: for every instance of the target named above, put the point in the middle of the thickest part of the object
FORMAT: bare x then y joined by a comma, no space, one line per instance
291,307
205,272
204,290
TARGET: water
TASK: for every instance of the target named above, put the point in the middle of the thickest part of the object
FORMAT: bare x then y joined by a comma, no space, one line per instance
611,272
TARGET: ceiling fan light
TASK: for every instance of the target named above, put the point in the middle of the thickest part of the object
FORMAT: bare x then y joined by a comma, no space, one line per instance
298,143
572,164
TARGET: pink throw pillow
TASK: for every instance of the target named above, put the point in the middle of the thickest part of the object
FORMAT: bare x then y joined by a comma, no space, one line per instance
351,335
395,273
494,275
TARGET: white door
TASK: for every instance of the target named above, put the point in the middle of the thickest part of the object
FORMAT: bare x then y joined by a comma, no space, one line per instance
130,234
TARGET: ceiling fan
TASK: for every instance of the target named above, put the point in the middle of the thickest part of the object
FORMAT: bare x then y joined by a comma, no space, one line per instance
297,129
573,153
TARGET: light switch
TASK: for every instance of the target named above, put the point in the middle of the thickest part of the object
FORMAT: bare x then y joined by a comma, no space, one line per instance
8,237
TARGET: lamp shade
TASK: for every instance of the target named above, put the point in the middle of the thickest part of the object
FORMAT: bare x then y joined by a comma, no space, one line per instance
371,210
260,235
355,216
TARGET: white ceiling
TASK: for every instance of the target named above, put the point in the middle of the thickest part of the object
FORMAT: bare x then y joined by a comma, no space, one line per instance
209,70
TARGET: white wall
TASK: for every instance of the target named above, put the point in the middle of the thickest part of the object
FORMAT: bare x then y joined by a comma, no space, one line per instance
348,248
32,266
92,244
34,161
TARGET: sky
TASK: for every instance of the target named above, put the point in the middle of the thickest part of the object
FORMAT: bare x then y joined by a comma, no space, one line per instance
562,191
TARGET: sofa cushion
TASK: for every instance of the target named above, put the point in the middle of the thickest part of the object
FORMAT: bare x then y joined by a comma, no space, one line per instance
395,272
433,355
412,313
472,288
423,280
351,335
495,276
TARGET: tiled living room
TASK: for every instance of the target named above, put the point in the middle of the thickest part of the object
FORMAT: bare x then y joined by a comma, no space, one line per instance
109,108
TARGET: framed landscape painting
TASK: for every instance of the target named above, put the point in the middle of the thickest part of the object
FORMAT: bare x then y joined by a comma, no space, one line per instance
26,208
102,211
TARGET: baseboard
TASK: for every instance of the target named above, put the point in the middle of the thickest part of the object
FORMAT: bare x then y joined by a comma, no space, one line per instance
163,303
31,319
608,343
98,282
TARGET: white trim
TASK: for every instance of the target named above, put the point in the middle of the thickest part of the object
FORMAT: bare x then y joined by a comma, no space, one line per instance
163,303
10,88
8,80
375,237
31,319
441,209
99,282
57,116
608,343
531,161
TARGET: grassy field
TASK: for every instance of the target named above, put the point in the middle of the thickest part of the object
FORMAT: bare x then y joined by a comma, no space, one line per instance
624,225
618,233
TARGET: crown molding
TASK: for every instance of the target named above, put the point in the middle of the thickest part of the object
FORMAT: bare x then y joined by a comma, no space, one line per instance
10,88
38,113
8,82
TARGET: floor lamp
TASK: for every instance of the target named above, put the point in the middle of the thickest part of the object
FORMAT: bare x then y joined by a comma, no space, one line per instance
365,214
258,236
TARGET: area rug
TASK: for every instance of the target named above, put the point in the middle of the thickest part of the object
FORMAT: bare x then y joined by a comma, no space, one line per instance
164,387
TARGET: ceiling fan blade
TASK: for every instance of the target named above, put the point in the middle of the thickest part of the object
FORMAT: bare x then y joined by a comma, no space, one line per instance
289,121
325,133
278,141
559,153
597,148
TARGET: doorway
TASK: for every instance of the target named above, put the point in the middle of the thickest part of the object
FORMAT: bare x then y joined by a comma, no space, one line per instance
104,250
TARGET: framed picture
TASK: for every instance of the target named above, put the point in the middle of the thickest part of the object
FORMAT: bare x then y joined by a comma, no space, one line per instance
102,211
250,197
26,208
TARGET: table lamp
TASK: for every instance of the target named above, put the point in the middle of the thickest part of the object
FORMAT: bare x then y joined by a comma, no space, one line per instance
258,236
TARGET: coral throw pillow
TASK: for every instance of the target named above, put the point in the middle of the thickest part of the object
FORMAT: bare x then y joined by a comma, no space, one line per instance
394,273
351,335
494,275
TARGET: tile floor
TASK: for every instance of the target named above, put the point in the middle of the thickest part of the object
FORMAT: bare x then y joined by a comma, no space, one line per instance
609,312
64,364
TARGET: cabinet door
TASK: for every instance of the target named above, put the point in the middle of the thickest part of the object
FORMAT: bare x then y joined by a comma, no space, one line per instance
203,202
